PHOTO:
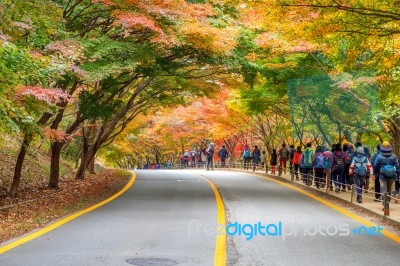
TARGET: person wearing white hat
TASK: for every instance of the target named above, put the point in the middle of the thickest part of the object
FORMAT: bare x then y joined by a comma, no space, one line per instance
361,168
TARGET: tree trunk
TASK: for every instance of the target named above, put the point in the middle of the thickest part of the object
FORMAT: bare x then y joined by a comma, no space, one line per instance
18,166
91,166
21,156
80,174
395,132
55,164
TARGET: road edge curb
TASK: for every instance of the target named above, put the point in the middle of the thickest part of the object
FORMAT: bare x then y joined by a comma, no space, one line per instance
67,219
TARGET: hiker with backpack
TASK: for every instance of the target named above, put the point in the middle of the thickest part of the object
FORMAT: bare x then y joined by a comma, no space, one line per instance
347,179
361,168
338,165
223,155
210,156
328,168
368,155
306,164
387,167
319,166
246,157
283,158
256,157
274,161
296,162
376,175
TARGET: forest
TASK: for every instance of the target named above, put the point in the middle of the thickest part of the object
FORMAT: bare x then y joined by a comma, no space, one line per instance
123,82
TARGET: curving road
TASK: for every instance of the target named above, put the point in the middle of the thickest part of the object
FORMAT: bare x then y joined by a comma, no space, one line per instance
170,218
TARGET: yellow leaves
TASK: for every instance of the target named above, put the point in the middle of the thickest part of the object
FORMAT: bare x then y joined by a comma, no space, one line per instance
281,65
204,37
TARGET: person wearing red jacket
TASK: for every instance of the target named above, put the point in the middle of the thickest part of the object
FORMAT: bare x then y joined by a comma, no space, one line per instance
296,162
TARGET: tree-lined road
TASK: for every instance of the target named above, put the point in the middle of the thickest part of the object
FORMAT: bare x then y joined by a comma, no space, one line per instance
171,216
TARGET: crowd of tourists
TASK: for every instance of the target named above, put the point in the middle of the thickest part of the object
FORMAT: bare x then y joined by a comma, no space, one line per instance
338,167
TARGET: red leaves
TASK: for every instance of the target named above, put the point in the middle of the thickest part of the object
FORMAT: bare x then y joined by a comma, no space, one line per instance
50,96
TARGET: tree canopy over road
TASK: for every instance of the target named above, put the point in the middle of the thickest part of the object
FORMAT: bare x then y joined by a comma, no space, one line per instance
138,80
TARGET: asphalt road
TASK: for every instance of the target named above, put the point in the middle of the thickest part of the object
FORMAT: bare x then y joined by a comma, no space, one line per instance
171,216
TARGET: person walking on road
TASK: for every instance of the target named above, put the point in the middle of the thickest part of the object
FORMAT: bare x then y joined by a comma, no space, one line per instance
387,167
263,159
347,178
274,160
256,157
328,168
210,157
223,155
368,155
296,162
319,166
246,157
338,165
306,164
283,154
360,168
376,175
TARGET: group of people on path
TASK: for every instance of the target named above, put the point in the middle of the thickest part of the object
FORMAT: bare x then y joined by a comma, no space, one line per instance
346,165
204,158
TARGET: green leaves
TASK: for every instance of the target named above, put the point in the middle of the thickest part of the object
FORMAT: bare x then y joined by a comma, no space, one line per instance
92,108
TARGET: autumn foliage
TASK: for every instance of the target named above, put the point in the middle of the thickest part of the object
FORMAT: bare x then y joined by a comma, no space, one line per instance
140,80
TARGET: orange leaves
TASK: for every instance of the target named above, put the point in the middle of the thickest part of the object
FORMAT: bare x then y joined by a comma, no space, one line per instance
105,2
132,20
174,9
56,135
269,40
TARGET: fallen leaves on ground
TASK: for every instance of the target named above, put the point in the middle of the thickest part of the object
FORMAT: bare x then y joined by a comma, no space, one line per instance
36,207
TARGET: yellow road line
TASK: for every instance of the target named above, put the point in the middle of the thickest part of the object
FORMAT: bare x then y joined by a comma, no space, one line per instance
66,219
220,248
388,234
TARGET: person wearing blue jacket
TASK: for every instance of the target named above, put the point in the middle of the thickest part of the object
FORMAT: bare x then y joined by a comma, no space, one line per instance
387,167
376,176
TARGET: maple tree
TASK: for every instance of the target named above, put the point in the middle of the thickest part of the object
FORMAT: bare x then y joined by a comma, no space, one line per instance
82,74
